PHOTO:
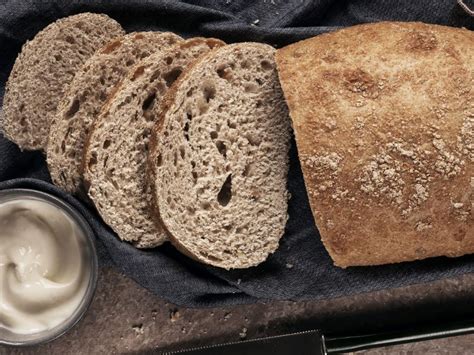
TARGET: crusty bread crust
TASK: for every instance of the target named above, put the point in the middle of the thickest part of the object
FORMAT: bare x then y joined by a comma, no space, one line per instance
384,122
43,70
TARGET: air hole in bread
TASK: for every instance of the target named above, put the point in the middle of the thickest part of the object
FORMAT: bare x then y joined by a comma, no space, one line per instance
155,75
149,101
144,55
63,146
258,104
190,210
92,161
221,147
110,172
190,92
23,121
58,57
171,76
266,65
138,73
169,60
231,124
21,107
129,62
105,161
186,130
253,139
214,134
70,39
195,177
250,87
71,154
225,194
247,170
106,144
220,108
114,184
159,160
205,205
224,72
73,108
175,158
209,91
259,81
228,227
182,151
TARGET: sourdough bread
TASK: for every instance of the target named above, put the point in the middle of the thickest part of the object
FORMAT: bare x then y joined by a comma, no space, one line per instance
116,152
87,94
385,135
219,158
43,70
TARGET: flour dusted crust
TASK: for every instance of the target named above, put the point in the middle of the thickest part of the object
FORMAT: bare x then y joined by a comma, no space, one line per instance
384,122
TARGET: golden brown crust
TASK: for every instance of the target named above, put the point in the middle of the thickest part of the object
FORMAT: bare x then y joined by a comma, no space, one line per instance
384,122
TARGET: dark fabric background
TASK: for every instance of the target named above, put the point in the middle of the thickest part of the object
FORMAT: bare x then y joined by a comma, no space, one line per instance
300,269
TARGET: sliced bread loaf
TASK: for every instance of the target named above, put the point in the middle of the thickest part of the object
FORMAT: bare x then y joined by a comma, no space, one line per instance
86,96
116,151
42,71
219,158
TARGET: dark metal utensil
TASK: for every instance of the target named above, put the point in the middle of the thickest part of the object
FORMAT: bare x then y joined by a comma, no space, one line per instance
313,342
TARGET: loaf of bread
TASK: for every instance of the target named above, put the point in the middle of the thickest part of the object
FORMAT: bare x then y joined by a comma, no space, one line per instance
218,158
86,95
116,151
384,123
43,70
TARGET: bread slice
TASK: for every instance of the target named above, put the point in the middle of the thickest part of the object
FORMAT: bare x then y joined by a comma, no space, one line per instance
385,135
115,155
86,96
42,71
219,158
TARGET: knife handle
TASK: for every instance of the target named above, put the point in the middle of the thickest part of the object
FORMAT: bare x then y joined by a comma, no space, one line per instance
335,345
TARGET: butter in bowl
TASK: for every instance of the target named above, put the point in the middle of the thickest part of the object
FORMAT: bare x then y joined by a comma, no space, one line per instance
48,267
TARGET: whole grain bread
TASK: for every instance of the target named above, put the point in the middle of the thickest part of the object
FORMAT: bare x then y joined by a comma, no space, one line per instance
218,158
116,151
43,70
385,135
87,94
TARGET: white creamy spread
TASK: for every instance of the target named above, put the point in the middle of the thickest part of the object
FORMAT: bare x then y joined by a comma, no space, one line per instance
44,270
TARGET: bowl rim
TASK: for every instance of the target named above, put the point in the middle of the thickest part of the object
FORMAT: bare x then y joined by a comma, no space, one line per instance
70,322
